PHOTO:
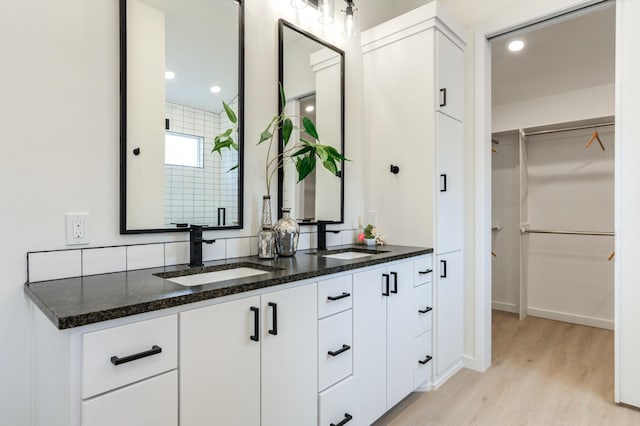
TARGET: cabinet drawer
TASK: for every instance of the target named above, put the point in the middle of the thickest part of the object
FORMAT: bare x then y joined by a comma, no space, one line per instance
422,352
337,404
335,353
423,301
118,356
334,295
150,402
423,270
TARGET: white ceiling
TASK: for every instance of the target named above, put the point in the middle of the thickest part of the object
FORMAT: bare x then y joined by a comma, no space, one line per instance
569,55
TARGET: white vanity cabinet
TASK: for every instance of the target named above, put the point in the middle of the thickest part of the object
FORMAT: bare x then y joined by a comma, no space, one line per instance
251,361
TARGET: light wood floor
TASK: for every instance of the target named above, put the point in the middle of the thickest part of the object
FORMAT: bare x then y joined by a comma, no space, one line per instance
543,372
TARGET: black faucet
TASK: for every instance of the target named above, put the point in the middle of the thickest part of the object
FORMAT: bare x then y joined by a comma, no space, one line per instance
195,245
322,234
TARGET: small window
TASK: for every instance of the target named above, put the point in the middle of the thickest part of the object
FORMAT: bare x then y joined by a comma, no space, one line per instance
183,150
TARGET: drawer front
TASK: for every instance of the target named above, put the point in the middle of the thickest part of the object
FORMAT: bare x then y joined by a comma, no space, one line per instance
334,295
121,355
421,350
335,335
423,270
338,404
423,301
150,402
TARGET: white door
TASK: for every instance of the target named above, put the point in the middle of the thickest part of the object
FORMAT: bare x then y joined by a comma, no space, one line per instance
290,357
400,325
449,310
220,364
449,186
370,343
449,77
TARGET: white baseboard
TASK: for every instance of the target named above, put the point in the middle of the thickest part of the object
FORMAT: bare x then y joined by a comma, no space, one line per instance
572,318
447,374
425,387
472,363
507,307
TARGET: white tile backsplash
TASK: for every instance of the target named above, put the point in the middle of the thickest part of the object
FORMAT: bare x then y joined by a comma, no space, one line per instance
348,236
145,256
238,247
254,246
104,260
214,251
53,265
334,239
304,241
176,253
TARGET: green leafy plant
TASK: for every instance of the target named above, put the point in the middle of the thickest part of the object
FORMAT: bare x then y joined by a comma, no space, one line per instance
303,153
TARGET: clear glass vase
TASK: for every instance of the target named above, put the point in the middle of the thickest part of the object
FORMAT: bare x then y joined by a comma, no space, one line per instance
287,231
266,236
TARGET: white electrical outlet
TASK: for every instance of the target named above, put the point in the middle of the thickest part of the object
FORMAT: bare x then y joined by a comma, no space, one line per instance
77,228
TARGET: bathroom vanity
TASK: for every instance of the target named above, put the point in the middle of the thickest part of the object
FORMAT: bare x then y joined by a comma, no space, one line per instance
330,337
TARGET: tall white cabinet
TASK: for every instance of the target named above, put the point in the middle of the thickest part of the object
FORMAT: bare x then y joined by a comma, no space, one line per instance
414,115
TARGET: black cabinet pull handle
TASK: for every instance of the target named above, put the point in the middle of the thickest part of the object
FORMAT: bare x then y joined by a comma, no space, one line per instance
443,274
427,309
386,277
443,183
444,97
344,348
347,419
342,296
256,324
428,271
426,360
155,349
395,283
274,330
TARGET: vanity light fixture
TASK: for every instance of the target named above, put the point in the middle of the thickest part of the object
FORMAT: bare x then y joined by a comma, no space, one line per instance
299,4
325,7
169,75
516,45
349,20
310,108
215,89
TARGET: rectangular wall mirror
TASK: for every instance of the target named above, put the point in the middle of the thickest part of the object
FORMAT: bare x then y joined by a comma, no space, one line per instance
179,59
311,72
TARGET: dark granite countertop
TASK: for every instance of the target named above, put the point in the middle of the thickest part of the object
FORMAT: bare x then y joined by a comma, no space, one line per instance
74,302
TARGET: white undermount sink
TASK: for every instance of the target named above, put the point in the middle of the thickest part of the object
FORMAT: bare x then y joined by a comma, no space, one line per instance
347,255
215,276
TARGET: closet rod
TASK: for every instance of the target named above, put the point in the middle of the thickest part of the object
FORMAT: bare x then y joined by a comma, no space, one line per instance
568,129
563,232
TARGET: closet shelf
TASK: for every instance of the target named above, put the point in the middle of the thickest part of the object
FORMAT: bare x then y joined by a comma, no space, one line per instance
565,232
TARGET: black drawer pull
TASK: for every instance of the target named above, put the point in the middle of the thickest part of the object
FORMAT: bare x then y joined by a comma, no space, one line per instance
339,351
342,296
155,349
274,330
347,419
428,309
256,324
426,360
428,271
395,283
444,97
443,274
443,183
386,277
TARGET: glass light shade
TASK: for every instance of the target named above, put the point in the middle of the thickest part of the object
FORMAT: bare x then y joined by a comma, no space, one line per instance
325,7
299,4
350,22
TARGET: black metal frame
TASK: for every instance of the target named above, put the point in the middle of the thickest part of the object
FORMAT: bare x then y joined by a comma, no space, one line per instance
281,26
123,128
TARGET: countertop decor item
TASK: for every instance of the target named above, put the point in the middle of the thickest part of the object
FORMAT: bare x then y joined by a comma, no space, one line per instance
287,231
373,236
266,236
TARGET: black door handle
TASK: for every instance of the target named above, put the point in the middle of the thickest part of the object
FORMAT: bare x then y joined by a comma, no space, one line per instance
428,271
443,274
155,349
274,317
347,419
395,283
426,360
427,309
344,348
443,183
386,277
342,296
444,97
256,324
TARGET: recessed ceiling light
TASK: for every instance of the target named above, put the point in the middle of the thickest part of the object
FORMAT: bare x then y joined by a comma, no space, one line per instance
215,89
310,108
515,45
169,75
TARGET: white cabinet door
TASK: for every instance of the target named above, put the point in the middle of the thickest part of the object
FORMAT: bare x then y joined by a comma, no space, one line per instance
220,365
449,310
289,357
400,325
449,187
150,402
370,344
449,77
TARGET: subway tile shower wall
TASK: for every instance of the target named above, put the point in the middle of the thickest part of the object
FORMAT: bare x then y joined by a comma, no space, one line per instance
194,194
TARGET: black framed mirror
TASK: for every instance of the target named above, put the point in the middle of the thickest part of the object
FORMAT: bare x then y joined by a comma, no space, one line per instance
179,60
311,72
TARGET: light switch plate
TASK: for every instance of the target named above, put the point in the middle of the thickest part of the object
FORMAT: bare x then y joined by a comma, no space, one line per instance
77,229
